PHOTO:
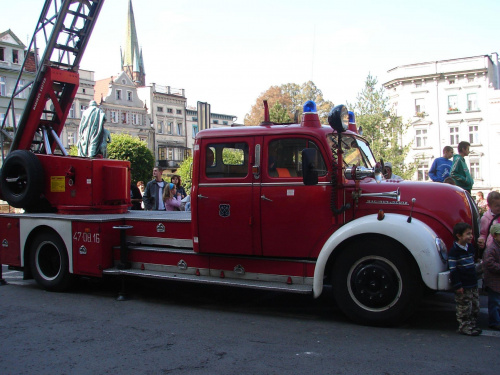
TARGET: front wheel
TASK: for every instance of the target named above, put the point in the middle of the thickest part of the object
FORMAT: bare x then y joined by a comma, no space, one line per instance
376,283
49,262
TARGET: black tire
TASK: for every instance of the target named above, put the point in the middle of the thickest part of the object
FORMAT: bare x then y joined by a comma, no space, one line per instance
376,283
21,179
49,262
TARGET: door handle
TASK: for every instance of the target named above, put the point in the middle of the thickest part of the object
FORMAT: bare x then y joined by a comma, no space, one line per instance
265,198
202,196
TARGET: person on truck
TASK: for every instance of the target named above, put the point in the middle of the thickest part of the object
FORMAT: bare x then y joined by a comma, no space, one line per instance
153,193
459,171
441,166
388,172
92,137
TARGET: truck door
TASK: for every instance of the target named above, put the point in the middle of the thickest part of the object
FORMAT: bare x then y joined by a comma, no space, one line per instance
294,217
224,199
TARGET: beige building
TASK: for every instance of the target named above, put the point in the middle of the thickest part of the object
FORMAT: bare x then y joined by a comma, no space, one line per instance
166,109
447,102
125,112
12,57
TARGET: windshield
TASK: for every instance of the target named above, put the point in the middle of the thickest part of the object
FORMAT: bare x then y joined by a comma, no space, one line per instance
356,150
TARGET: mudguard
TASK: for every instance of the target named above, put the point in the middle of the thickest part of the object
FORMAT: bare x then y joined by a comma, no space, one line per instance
416,236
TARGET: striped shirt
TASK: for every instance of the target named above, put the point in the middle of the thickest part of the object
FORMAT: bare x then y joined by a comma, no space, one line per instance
461,266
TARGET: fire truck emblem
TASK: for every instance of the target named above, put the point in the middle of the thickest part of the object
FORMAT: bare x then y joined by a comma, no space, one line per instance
224,210
160,228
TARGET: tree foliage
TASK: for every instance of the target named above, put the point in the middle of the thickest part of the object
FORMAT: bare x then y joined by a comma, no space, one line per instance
279,114
232,156
382,128
185,171
73,150
290,98
126,147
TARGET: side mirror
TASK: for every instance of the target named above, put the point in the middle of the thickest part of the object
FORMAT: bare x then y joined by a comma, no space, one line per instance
309,172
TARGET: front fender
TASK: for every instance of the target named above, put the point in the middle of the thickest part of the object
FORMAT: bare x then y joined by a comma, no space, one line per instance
416,236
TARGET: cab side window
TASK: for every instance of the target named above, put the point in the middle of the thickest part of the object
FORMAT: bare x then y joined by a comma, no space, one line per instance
226,160
285,157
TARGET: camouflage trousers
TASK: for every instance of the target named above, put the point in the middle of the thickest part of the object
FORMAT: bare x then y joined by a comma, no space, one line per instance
467,309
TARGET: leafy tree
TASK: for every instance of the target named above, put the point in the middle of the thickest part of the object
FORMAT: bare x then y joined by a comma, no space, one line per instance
279,114
185,171
273,95
232,156
73,150
291,97
126,147
308,91
382,128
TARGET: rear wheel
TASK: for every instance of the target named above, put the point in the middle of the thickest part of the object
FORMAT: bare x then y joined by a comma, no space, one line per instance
49,262
376,283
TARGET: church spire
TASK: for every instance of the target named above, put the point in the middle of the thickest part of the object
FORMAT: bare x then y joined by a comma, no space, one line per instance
132,62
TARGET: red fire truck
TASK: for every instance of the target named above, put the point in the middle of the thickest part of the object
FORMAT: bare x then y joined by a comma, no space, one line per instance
281,207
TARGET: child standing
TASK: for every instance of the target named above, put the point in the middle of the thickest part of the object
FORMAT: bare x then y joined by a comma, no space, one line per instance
464,280
491,267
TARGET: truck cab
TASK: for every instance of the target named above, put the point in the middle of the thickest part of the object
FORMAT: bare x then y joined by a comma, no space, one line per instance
253,196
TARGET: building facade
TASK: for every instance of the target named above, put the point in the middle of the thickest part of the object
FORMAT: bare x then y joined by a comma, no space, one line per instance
217,120
125,112
168,120
12,57
446,102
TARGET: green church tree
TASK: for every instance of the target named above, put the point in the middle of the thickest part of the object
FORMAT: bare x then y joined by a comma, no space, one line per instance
126,147
382,128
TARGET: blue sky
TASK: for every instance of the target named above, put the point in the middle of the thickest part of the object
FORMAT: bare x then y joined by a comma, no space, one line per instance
228,52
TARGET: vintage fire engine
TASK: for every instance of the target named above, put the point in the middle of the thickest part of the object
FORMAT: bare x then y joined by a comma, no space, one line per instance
301,206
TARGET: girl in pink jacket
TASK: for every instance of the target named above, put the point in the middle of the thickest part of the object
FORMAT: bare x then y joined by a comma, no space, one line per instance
489,216
171,198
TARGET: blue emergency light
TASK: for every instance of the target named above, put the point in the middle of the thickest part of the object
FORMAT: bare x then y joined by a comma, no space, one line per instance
310,106
351,117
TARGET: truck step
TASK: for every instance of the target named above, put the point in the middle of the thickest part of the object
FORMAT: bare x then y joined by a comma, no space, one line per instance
252,284
164,249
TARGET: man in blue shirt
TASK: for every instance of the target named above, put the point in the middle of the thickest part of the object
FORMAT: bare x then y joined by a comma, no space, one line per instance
441,166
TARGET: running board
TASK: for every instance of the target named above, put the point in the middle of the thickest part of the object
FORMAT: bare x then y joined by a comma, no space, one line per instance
252,284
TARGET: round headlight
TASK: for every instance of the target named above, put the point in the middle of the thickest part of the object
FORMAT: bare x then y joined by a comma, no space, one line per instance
442,250
338,118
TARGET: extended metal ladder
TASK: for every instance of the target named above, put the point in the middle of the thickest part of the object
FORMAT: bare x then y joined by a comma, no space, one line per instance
63,29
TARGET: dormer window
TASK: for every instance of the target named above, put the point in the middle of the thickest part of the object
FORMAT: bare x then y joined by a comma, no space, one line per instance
15,56
2,54
118,94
